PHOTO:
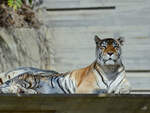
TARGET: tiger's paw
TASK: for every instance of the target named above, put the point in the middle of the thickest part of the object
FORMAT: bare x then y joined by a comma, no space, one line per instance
101,91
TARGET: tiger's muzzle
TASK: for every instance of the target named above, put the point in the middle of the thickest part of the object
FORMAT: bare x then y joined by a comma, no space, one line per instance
110,58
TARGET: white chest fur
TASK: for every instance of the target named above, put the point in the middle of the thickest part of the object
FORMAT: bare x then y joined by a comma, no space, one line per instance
109,85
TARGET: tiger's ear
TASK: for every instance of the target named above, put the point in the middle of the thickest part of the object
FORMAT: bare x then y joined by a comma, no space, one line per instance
97,39
121,40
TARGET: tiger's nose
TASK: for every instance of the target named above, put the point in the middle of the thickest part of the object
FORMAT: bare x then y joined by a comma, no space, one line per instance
110,53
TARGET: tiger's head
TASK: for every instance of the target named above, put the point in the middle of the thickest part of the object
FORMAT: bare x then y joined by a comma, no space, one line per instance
108,51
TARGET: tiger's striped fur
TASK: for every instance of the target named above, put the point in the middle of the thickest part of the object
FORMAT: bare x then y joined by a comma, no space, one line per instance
22,70
105,75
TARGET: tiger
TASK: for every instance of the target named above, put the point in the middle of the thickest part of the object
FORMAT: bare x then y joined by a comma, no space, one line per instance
106,75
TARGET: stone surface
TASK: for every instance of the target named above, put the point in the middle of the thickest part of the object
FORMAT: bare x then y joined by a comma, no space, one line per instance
20,47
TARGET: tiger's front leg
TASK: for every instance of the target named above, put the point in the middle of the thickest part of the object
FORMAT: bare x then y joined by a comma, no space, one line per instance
123,88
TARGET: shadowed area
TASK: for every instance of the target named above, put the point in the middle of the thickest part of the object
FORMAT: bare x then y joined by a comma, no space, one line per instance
75,104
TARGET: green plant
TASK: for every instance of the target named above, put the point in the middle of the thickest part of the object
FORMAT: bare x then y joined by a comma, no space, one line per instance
15,4
30,1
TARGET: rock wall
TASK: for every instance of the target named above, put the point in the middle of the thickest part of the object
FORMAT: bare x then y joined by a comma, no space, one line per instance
21,47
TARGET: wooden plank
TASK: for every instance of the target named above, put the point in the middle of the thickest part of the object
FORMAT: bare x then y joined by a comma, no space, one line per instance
89,3
76,103
13,111
73,33
140,91
139,81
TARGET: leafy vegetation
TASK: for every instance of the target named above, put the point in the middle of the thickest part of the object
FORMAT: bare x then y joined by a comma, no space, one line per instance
15,4
17,13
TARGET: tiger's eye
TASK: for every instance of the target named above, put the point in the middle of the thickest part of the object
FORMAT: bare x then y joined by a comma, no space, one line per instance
116,47
104,47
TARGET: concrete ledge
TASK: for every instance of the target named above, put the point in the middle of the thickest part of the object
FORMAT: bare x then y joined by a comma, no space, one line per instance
75,104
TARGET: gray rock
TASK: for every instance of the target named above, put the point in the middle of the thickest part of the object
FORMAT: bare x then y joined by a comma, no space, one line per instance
25,47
